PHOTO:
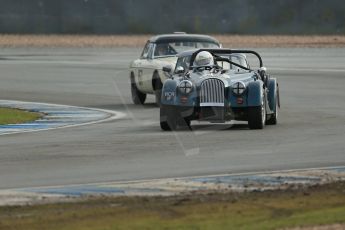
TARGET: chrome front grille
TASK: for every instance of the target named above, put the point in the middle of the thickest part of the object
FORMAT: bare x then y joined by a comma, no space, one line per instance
212,92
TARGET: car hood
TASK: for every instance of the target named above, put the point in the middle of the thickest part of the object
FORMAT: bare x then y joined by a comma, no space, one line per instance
164,61
227,78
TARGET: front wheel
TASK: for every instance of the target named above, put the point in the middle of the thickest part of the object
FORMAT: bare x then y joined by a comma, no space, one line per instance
138,97
257,117
168,120
184,122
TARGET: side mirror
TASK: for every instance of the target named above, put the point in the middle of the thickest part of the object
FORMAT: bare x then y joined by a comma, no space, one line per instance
179,70
167,69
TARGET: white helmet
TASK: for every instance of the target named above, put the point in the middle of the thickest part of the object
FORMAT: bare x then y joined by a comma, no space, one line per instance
204,58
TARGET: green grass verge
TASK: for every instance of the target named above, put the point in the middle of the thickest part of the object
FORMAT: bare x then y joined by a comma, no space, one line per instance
317,205
16,116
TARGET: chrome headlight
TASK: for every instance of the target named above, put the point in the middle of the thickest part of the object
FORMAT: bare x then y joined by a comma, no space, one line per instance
238,88
185,87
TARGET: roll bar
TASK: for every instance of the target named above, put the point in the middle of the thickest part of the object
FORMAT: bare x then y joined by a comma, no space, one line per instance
226,51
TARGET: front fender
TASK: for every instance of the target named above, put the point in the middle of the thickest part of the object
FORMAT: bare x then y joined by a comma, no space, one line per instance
255,93
169,93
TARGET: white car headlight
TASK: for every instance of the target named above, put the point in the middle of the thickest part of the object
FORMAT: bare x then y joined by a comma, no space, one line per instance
238,88
185,87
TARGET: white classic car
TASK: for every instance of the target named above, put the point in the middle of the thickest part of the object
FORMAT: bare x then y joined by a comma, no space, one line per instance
146,73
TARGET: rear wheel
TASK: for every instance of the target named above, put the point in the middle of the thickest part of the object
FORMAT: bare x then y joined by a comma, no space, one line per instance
257,116
138,97
273,120
274,117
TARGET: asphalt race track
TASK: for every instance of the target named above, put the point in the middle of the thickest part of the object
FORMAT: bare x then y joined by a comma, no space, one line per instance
310,133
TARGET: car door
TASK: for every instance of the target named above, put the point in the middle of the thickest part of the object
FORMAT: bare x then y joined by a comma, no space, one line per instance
141,69
145,68
148,67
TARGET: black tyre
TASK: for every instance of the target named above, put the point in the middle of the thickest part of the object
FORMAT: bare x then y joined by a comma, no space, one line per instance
165,126
184,122
273,120
168,119
158,88
257,117
137,96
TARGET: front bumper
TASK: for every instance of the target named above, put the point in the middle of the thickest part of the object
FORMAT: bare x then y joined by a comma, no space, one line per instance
214,114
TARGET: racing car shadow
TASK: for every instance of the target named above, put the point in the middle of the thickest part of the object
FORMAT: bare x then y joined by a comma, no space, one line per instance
219,127
126,106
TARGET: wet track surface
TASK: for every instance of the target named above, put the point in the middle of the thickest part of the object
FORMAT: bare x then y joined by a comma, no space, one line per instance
310,133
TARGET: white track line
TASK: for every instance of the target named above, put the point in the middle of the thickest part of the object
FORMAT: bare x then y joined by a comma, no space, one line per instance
113,115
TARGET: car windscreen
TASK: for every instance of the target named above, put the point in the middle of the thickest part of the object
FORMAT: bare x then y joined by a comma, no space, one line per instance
172,48
238,59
